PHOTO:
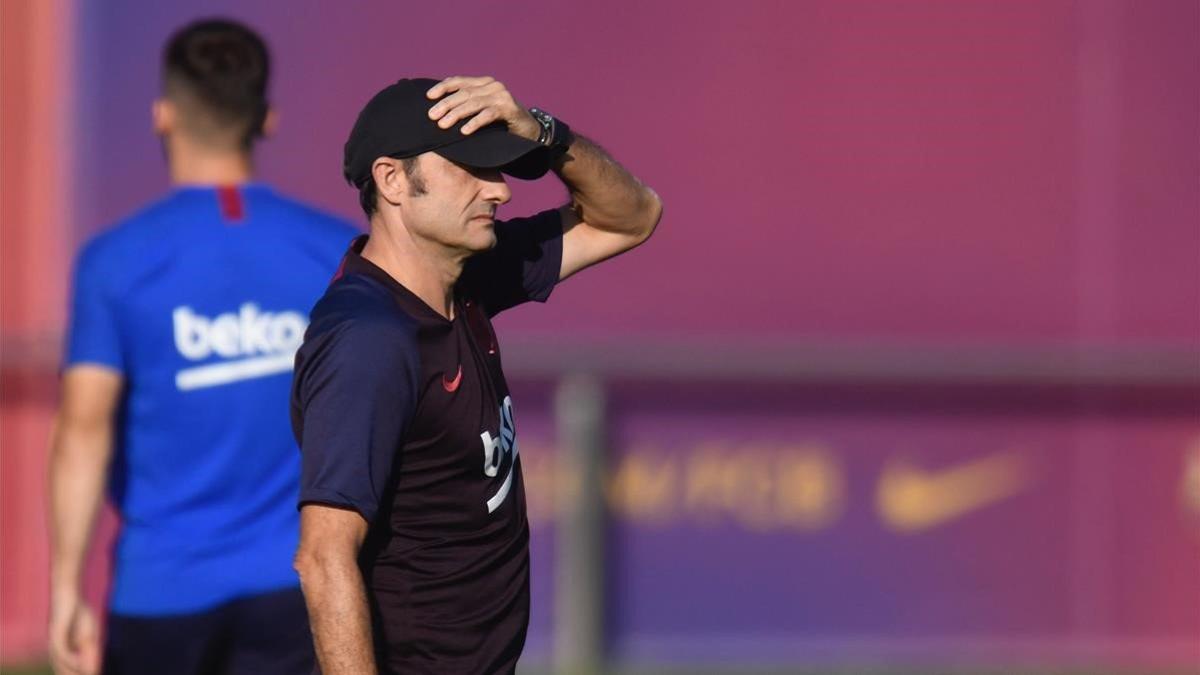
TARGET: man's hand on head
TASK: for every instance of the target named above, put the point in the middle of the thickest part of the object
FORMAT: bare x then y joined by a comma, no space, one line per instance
481,101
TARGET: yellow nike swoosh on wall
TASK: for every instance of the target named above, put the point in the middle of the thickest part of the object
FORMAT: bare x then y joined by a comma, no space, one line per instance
911,499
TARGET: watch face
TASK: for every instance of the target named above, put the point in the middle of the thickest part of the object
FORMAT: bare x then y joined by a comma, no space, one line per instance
546,122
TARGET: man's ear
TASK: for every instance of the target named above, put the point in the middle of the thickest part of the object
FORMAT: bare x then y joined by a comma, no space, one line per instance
163,116
270,123
390,181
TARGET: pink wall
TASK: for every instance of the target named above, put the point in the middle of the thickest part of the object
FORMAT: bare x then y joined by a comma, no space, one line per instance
935,171
36,123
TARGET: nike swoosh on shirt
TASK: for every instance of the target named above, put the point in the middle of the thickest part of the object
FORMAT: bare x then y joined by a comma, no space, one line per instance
452,385
911,499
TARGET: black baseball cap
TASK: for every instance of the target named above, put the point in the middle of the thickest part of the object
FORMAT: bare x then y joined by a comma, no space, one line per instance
395,123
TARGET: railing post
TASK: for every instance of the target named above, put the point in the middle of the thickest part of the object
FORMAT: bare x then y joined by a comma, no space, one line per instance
579,584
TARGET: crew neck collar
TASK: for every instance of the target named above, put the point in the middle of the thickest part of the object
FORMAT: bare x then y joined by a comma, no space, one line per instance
357,263
247,186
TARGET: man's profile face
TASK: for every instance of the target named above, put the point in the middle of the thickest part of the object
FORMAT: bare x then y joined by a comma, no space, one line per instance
454,205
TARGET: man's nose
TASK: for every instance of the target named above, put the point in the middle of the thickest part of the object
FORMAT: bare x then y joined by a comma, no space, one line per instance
495,188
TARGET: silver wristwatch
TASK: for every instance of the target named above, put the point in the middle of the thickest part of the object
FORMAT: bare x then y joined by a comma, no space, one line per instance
546,135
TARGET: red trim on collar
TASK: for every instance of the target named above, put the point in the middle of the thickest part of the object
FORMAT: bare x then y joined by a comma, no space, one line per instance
230,200
341,270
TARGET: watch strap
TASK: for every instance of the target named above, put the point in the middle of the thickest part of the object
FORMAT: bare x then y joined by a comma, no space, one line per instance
554,134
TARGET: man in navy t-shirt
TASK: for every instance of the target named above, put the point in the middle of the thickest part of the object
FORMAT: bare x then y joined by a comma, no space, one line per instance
185,320
414,551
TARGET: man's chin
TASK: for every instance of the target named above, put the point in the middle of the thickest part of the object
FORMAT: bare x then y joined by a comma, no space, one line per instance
483,241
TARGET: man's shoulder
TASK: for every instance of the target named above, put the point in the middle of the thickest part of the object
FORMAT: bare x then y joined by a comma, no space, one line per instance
125,243
293,209
363,309
357,331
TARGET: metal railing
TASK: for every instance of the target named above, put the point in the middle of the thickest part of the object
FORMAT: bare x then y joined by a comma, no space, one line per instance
581,369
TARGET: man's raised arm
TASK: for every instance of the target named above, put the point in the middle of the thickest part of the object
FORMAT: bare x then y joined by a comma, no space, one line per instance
610,210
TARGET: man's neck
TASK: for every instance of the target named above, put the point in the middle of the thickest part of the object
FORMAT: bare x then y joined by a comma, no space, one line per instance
194,164
427,269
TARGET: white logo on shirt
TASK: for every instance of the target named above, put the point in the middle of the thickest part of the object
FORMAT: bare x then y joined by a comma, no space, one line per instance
495,449
262,343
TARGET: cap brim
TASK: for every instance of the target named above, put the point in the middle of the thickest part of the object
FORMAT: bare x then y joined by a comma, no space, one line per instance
492,147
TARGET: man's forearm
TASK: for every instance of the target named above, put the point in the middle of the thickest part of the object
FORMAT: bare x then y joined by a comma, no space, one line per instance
79,458
604,194
338,613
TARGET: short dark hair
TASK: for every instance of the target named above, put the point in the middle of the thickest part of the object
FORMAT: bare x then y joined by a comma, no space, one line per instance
218,70
368,194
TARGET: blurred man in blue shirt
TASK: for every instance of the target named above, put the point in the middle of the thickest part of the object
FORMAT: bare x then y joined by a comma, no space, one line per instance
184,323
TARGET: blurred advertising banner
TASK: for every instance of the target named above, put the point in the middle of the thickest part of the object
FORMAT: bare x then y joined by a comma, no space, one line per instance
770,524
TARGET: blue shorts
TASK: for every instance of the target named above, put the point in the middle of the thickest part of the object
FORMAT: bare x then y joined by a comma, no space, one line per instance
258,634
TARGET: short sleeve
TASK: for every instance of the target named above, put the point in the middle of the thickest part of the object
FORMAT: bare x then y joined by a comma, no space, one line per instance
354,392
93,334
523,266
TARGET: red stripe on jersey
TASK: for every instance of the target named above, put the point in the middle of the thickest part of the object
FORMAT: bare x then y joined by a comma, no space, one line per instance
231,203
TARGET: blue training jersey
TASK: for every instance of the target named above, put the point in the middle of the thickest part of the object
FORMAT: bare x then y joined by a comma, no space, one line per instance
200,301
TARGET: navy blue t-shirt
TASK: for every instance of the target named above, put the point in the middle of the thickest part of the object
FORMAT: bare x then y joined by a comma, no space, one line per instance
405,417
199,301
